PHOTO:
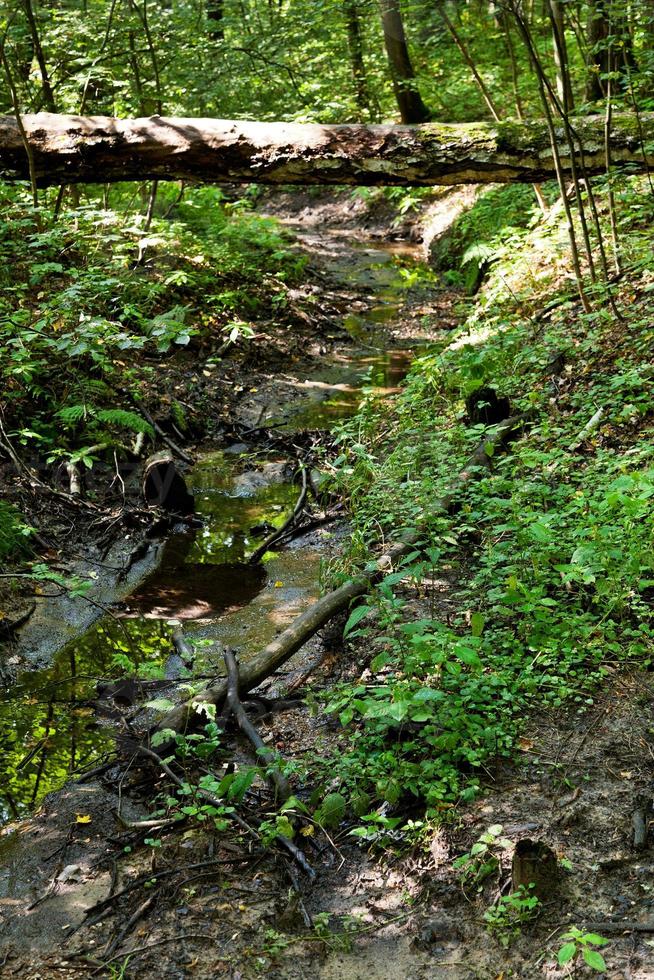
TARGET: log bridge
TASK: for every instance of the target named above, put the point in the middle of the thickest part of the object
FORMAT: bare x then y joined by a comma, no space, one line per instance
55,149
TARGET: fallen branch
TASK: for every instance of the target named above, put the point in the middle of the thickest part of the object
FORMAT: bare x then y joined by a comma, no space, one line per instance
165,438
281,841
271,759
626,926
183,647
282,648
590,426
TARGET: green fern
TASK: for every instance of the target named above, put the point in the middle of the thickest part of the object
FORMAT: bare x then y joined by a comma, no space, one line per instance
124,419
72,414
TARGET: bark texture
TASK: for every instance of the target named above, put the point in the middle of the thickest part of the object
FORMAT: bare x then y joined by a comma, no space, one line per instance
98,149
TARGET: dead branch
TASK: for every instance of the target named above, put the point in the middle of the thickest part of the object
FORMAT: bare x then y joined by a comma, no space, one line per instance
279,532
270,758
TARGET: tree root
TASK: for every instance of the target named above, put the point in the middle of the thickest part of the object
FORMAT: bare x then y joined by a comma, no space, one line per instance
278,782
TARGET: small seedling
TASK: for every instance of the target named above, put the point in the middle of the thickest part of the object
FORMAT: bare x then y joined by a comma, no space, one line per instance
507,917
578,944
481,860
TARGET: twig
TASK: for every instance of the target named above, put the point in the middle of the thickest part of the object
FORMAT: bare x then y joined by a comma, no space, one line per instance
279,532
283,842
143,908
172,445
590,426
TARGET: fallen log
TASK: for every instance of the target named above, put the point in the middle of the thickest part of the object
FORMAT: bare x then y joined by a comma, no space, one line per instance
100,149
278,651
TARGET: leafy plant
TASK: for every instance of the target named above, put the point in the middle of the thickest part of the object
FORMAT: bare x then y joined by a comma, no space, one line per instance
579,945
507,918
483,858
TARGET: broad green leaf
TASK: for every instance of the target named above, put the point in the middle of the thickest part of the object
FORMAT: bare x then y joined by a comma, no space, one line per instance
332,810
355,618
477,622
566,953
594,960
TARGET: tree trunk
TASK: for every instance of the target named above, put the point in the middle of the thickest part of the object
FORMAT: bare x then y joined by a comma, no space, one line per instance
355,47
610,47
563,86
46,85
99,149
215,14
408,98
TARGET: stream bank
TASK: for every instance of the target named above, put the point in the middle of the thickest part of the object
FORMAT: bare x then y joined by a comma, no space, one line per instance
194,902
65,714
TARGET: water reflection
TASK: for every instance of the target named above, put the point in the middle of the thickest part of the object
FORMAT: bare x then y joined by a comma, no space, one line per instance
51,723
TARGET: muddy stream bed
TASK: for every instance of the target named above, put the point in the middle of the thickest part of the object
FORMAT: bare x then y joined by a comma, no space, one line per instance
62,714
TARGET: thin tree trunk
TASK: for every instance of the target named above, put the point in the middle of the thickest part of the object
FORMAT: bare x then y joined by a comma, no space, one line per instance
46,86
408,98
563,86
465,54
508,43
355,48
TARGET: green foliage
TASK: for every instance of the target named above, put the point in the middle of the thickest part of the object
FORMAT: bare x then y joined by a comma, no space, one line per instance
556,541
89,301
14,534
511,913
483,858
579,945
480,234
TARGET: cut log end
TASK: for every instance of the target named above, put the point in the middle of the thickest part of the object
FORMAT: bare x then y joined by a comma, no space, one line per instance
535,867
164,486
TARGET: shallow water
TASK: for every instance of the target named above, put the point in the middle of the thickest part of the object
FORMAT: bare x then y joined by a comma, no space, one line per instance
55,722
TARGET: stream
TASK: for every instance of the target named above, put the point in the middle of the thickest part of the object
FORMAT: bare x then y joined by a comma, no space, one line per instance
58,721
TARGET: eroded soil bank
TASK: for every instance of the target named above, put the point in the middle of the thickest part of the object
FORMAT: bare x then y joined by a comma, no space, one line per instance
85,891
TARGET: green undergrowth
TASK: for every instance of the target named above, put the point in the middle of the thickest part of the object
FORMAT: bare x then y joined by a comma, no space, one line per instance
14,533
541,585
94,303
478,234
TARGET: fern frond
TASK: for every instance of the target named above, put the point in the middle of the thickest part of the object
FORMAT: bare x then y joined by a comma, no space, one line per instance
124,419
72,414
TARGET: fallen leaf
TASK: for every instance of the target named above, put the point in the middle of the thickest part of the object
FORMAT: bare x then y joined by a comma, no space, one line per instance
82,818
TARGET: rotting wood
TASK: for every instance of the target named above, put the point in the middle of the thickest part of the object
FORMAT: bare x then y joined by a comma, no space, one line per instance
639,825
282,648
164,486
68,149
534,866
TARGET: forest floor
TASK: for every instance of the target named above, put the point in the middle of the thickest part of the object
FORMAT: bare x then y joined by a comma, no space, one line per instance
81,896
